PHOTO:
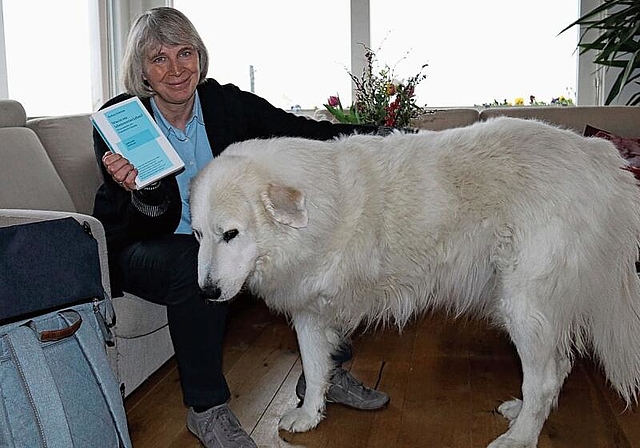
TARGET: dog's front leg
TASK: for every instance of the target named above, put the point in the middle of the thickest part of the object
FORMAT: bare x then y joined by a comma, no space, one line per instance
315,342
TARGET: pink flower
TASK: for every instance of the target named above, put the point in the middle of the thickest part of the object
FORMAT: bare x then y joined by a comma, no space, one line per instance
333,101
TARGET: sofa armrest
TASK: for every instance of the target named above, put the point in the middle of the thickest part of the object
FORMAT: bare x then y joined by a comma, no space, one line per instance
9,217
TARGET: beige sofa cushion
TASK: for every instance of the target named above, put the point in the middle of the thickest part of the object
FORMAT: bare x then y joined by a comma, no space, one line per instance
439,119
69,143
623,121
29,180
12,114
149,316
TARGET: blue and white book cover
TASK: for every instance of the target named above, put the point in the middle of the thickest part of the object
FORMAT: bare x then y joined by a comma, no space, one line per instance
129,130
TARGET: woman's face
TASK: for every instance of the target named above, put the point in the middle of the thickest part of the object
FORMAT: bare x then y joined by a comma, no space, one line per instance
173,73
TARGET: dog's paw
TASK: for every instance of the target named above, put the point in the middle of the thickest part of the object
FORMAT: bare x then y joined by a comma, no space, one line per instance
510,409
506,442
298,420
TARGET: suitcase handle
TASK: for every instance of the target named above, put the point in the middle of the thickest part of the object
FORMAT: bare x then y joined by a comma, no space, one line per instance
62,333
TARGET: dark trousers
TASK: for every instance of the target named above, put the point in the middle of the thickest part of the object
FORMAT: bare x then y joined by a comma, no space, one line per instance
164,271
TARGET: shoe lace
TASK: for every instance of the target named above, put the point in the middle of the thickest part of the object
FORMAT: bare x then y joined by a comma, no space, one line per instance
229,426
347,381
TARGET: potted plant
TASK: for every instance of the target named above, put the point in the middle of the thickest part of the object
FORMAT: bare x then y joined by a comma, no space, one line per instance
617,44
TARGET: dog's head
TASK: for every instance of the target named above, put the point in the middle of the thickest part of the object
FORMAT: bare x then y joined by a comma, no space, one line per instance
235,210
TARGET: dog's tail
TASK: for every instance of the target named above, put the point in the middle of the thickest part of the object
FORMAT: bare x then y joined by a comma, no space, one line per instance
615,333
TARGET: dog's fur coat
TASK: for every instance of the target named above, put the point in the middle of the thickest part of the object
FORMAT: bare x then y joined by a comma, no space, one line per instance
532,226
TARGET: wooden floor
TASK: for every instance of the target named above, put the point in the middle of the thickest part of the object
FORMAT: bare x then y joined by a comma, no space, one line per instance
445,379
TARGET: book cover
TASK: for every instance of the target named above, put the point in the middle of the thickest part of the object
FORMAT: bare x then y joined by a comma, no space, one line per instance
129,130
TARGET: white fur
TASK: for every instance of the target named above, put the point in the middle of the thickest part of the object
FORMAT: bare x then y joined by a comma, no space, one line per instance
531,226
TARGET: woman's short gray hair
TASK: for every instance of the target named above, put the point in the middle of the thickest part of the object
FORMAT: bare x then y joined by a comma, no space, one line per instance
156,27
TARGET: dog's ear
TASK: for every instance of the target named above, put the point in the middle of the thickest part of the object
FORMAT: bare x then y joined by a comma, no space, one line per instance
285,205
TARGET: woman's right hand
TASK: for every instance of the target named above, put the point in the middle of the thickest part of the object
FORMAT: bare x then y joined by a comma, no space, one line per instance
121,170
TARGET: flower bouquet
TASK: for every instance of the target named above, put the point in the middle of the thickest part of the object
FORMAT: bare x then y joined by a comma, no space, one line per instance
380,99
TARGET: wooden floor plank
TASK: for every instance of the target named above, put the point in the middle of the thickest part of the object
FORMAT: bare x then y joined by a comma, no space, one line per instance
160,416
265,433
255,379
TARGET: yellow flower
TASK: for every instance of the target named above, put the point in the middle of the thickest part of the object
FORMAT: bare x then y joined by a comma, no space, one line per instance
519,101
391,89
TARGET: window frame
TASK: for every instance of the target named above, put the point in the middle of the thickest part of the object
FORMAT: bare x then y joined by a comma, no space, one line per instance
4,84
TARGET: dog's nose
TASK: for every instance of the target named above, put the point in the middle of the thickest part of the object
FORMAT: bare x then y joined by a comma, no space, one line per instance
211,292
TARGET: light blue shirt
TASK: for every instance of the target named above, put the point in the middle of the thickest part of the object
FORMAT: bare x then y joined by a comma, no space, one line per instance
194,149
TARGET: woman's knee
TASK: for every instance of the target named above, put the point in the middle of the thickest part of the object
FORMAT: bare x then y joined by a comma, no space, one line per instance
163,271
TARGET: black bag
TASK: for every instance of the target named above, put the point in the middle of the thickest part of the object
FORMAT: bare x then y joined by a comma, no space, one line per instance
46,265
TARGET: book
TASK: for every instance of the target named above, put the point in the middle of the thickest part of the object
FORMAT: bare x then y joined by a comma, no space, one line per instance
129,129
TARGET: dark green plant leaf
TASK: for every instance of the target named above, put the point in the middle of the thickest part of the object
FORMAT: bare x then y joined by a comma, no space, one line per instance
617,44
635,99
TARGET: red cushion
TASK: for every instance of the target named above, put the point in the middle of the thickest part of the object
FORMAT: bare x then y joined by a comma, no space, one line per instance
629,148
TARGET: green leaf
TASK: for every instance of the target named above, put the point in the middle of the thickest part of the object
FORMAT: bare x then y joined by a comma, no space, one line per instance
617,23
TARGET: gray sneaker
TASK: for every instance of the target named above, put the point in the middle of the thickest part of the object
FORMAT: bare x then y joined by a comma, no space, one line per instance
345,389
218,428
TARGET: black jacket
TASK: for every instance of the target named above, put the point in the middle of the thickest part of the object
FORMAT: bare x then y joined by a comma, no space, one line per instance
230,115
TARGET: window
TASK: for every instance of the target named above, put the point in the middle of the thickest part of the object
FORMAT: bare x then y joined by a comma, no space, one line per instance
48,60
476,51
479,51
296,53
299,51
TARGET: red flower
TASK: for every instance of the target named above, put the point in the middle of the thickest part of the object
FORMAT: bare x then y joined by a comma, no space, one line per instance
392,113
333,101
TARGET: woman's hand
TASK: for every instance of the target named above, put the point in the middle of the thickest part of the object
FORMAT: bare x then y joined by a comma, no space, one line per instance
120,170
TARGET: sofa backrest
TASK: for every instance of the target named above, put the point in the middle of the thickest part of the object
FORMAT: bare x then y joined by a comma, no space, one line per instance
28,179
623,121
69,142
440,119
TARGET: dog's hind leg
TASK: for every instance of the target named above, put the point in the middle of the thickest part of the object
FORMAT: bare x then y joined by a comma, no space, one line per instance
316,343
544,369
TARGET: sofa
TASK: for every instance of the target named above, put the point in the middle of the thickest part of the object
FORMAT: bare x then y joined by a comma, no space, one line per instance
48,169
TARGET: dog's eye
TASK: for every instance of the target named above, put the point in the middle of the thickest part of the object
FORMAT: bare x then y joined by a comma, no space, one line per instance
229,235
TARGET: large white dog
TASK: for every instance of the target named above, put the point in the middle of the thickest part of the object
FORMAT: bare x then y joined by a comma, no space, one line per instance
534,227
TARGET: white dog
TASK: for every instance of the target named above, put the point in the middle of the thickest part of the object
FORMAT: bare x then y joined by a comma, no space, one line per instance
531,226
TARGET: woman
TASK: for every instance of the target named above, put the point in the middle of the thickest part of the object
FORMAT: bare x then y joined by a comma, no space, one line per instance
153,253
